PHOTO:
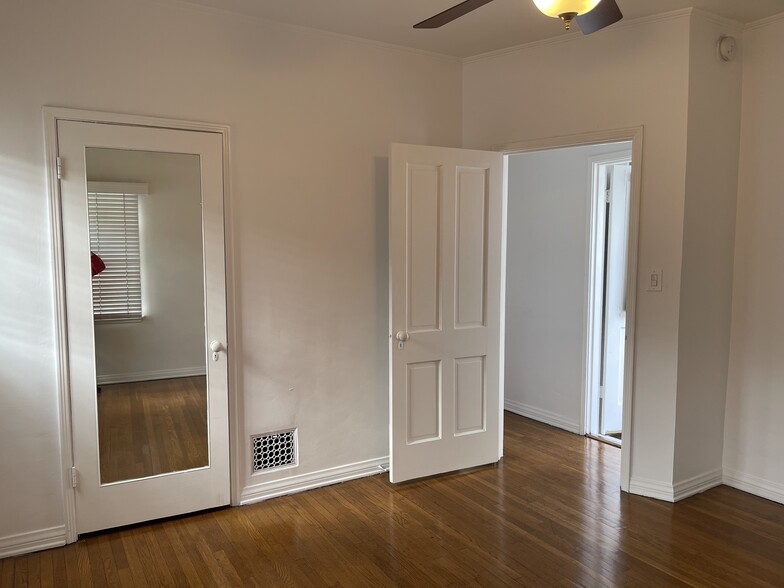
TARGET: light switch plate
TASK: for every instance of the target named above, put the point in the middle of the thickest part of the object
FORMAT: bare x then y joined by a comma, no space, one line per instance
654,281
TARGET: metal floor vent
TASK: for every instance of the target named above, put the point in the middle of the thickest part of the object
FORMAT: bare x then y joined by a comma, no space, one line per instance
274,450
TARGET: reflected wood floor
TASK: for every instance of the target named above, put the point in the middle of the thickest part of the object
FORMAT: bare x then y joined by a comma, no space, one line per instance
154,427
550,514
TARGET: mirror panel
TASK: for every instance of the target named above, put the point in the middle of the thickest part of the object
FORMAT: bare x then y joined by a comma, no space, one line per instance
144,212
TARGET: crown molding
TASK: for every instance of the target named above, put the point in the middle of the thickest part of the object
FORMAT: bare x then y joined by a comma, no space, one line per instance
763,22
733,26
673,15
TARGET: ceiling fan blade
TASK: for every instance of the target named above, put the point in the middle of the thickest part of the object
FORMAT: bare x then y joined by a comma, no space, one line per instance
450,14
606,13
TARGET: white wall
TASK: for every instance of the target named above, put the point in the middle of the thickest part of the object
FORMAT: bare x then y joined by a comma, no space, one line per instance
169,340
628,76
708,243
312,115
548,216
753,434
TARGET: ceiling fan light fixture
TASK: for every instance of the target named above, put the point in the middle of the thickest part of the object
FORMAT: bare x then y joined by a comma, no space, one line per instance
591,15
566,10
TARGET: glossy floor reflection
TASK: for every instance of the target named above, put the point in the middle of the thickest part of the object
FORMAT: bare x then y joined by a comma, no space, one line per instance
550,514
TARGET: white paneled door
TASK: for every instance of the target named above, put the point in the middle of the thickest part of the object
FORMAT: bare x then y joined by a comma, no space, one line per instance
446,244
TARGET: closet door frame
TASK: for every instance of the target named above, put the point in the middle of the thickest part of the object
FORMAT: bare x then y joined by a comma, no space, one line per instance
51,115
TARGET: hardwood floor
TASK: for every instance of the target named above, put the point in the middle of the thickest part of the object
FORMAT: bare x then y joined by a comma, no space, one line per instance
550,514
154,427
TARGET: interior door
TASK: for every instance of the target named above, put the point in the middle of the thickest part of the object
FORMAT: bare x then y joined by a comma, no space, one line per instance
148,487
446,244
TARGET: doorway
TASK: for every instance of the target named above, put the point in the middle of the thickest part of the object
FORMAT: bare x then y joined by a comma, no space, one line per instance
545,298
606,329
550,307
138,210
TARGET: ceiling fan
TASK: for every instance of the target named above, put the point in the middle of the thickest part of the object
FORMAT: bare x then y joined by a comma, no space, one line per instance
591,15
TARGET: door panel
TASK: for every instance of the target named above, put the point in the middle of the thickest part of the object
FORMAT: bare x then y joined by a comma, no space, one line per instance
470,396
423,390
471,238
446,209
167,491
423,224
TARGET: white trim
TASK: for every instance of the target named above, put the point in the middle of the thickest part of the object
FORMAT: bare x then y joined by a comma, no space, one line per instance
292,484
502,315
651,489
763,22
636,136
753,485
51,115
573,38
128,377
696,484
55,113
233,321
61,323
543,416
733,26
635,203
30,541
575,140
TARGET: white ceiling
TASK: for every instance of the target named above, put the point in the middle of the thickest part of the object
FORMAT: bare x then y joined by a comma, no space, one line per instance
500,24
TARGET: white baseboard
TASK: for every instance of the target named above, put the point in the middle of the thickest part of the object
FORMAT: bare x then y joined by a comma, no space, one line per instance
264,490
543,416
678,491
151,375
697,484
754,485
32,541
652,489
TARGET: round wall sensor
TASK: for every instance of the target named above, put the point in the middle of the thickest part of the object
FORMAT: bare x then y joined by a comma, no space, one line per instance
727,48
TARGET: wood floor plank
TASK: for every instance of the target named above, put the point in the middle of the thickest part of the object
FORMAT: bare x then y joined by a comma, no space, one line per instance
47,569
181,537
134,574
335,551
108,560
21,574
185,563
550,514
7,571
157,568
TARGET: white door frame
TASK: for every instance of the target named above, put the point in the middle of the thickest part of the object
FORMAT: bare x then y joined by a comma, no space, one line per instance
635,135
50,117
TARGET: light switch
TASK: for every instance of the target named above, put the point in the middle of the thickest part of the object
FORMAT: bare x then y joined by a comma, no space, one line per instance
654,280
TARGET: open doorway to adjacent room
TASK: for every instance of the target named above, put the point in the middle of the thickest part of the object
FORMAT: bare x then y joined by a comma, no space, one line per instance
571,224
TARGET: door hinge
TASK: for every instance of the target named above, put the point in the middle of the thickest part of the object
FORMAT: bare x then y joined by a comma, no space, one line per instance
74,477
607,196
59,168
601,391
